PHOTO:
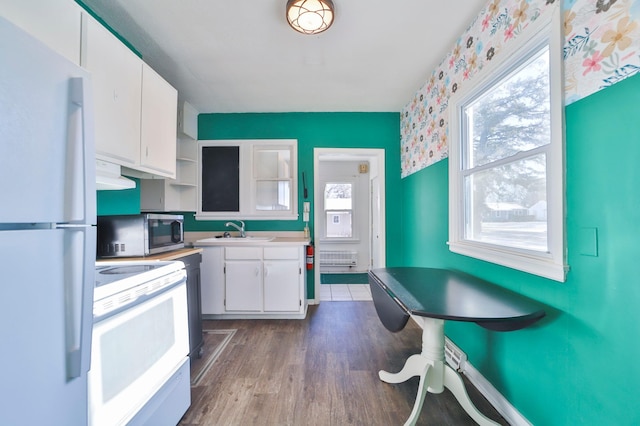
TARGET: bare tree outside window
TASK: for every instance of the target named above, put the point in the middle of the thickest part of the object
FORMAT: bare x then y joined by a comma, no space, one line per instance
505,179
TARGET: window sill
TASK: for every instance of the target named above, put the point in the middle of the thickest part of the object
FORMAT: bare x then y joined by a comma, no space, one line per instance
541,265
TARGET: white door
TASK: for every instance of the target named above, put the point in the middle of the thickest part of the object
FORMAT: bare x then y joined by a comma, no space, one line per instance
345,221
375,224
376,159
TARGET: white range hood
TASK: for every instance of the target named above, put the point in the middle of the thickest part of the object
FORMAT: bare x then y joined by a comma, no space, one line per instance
109,178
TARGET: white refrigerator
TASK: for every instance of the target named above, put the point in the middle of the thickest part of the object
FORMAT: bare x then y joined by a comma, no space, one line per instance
47,233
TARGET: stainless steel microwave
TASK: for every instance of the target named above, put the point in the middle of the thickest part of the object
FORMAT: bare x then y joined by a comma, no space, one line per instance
139,235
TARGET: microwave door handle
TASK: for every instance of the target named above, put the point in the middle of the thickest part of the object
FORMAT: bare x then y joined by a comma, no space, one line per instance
175,231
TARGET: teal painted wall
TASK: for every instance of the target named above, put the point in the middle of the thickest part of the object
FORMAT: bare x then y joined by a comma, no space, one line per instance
126,201
579,364
314,130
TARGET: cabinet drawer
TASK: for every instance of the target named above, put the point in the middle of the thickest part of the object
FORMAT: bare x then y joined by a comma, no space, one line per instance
281,252
243,252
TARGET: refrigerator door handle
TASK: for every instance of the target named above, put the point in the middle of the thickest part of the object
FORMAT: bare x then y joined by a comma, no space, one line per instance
80,183
79,270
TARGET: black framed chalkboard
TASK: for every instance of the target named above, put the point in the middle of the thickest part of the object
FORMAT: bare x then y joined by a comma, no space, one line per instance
220,178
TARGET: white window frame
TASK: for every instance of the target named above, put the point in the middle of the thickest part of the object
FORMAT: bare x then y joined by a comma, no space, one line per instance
551,264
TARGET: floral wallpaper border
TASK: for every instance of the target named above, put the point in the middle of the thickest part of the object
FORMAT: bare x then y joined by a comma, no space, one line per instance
602,47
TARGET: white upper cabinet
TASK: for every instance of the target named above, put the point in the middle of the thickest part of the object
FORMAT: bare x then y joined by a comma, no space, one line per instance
135,108
188,120
159,125
116,74
54,22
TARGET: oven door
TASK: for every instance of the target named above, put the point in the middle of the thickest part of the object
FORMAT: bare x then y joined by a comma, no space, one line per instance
134,353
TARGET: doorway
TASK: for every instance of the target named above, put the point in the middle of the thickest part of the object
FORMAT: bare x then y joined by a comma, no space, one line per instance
349,211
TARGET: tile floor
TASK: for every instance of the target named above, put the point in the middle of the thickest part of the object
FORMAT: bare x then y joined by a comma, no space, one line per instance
345,292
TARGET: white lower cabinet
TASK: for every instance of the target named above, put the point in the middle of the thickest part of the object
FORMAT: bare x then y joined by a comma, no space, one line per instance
254,282
243,279
282,272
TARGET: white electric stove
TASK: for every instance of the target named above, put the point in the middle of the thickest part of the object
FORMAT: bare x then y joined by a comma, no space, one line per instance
140,343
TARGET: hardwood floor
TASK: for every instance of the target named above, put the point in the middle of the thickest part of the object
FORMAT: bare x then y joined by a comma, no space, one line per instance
322,370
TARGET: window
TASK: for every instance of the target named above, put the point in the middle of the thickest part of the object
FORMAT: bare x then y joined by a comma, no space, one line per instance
338,207
248,179
506,186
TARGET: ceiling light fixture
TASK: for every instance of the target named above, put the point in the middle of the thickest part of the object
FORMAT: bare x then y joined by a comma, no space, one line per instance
310,16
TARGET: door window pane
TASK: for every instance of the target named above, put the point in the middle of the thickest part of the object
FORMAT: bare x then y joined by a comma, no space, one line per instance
338,206
339,224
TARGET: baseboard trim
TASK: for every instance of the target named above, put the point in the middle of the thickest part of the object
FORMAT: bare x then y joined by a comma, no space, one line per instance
495,398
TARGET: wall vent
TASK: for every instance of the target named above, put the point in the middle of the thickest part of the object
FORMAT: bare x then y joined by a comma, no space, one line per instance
453,355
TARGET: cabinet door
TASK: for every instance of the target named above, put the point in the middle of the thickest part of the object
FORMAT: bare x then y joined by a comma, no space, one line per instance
54,22
243,285
212,280
116,74
272,179
282,285
159,124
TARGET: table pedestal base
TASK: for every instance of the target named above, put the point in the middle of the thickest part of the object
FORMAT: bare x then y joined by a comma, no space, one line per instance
434,374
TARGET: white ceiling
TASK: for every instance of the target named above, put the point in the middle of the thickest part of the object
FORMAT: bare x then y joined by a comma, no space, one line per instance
242,56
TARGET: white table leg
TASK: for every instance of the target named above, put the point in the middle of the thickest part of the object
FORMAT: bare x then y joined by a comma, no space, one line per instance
434,374
454,383
416,365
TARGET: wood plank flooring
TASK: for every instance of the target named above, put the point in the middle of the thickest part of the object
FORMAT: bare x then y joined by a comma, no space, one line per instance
322,370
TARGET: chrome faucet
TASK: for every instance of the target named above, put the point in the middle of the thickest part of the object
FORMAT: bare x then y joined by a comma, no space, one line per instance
239,228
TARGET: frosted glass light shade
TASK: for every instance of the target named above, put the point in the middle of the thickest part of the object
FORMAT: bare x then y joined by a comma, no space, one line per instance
310,16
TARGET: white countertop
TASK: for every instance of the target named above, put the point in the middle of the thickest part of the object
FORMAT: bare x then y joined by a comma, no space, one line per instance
213,241
209,239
